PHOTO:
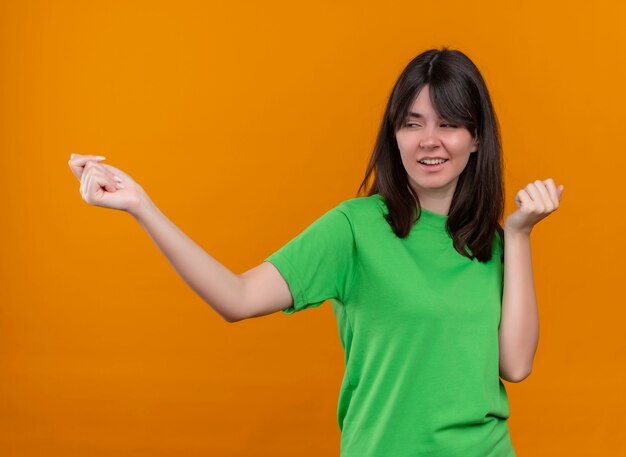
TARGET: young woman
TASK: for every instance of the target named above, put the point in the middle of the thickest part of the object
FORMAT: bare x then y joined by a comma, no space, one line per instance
432,309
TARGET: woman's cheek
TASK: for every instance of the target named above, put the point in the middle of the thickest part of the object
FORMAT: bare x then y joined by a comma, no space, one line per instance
457,143
406,141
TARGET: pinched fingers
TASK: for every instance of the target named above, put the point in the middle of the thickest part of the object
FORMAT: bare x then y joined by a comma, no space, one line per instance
547,205
96,167
537,204
523,199
542,197
117,174
554,195
94,178
94,187
535,201
77,163
549,194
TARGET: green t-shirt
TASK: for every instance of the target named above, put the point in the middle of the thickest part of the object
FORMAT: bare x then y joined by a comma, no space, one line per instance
418,323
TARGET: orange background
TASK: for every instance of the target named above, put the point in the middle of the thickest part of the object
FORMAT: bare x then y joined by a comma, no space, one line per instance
245,121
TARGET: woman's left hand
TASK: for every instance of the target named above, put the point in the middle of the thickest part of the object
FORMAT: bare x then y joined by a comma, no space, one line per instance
536,201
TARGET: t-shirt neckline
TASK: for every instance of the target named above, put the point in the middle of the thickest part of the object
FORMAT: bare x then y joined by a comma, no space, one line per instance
427,217
432,219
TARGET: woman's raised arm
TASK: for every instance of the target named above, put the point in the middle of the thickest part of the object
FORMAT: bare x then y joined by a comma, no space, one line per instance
259,291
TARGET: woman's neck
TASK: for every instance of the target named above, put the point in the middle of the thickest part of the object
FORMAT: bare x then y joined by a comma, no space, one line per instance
436,204
436,201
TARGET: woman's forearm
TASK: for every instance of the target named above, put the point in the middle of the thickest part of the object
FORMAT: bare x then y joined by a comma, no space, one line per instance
519,324
213,282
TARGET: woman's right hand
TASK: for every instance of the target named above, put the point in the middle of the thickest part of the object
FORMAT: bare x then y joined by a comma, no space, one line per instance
106,186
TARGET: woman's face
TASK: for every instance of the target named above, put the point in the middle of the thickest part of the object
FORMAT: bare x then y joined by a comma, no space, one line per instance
424,136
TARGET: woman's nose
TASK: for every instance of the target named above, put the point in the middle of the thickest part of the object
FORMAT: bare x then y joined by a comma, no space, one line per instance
429,139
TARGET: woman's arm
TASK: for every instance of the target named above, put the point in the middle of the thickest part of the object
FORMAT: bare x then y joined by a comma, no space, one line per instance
259,291
519,325
518,335
213,282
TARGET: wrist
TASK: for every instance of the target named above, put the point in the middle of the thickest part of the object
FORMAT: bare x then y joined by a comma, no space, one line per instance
514,232
142,206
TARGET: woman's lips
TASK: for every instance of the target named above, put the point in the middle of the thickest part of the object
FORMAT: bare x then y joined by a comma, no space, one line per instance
437,167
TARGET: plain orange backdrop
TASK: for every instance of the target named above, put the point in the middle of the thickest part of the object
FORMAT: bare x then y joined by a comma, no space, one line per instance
245,122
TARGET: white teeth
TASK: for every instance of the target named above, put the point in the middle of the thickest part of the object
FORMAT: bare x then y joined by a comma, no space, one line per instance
432,161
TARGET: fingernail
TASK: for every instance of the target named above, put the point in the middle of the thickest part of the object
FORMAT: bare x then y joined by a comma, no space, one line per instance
117,178
121,186
72,156
100,157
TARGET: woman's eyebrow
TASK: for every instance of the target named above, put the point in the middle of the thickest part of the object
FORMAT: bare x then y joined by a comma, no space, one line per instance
418,115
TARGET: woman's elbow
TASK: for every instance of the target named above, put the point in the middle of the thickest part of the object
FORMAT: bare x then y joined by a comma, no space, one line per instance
517,376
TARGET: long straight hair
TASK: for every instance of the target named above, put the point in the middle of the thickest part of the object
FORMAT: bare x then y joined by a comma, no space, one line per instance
458,94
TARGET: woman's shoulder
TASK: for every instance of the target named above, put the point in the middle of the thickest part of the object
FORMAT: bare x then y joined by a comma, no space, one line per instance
362,206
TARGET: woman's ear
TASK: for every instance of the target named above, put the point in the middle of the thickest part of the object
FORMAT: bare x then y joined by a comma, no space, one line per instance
475,146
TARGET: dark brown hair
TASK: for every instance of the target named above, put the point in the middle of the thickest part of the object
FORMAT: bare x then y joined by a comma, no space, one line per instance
458,94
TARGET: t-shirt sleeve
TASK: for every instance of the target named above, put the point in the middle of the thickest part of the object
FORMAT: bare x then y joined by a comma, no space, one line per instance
318,264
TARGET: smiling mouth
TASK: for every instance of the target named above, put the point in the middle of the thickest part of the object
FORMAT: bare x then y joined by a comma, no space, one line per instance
432,163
